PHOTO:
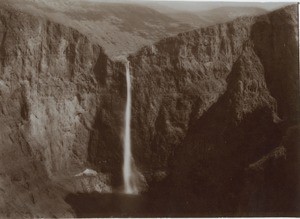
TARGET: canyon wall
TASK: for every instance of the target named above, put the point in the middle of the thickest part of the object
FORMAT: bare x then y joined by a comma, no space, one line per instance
240,156
178,79
53,82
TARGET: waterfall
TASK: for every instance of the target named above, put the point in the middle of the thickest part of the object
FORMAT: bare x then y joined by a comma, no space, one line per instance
128,174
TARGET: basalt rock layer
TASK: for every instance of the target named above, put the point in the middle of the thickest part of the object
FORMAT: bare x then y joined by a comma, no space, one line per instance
206,104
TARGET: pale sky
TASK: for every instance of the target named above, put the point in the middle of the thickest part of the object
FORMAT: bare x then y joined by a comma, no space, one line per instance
197,5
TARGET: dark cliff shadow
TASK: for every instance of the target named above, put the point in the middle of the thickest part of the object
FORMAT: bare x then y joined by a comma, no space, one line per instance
95,205
110,205
209,167
142,205
122,205
105,149
276,45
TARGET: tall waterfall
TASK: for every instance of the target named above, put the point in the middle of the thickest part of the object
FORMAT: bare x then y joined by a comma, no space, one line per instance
128,174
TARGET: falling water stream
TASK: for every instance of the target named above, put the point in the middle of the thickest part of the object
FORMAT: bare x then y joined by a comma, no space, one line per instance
128,175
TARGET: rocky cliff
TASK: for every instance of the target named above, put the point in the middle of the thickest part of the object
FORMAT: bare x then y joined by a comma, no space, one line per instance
52,84
212,167
206,104
177,80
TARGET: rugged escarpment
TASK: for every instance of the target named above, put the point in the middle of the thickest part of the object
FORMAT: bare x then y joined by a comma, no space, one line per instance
176,81
213,165
237,130
275,40
179,78
53,82
207,105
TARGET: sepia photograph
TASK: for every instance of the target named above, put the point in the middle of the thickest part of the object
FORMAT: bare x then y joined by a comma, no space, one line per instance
149,108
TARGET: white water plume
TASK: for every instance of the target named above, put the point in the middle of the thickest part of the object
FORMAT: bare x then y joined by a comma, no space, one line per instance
130,185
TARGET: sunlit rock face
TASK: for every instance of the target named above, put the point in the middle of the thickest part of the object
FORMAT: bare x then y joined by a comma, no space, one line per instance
205,105
52,83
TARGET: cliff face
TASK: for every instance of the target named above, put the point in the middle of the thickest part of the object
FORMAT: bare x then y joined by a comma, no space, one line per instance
276,44
206,104
53,82
178,79
212,166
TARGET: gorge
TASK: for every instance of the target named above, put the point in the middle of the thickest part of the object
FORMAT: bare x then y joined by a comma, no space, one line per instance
202,123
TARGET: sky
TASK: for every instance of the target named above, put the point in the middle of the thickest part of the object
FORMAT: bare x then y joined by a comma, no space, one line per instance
198,5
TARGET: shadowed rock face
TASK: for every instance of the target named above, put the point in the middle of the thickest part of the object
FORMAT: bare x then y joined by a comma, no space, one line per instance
178,79
276,43
237,129
206,104
211,165
274,177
